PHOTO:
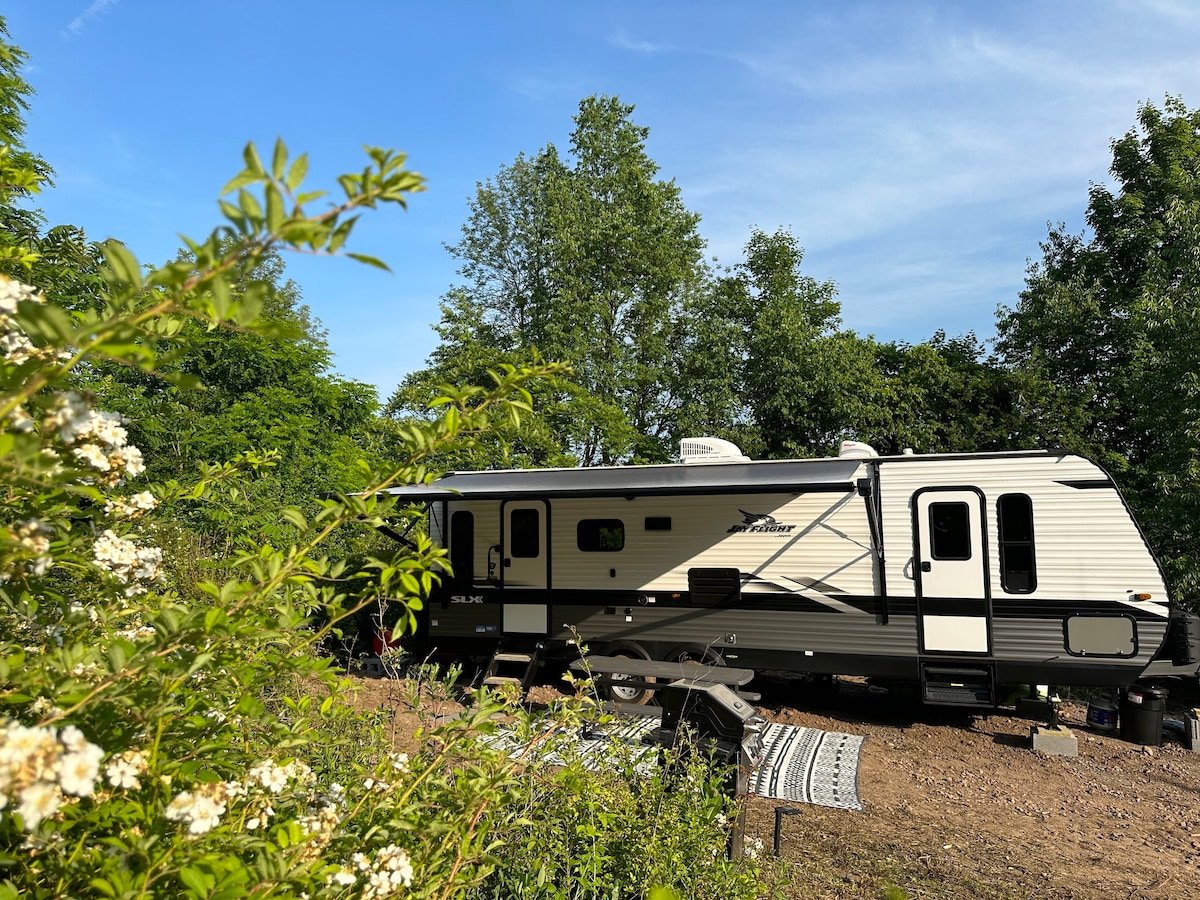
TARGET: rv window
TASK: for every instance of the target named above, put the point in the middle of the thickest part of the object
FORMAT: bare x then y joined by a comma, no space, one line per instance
462,547
600,535
1014,515
658,523
525,541
950,530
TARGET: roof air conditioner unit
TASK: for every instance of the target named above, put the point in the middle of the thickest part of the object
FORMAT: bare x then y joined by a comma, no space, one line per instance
856,450
710,450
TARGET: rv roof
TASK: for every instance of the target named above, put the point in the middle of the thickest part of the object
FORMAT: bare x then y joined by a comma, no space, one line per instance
763,476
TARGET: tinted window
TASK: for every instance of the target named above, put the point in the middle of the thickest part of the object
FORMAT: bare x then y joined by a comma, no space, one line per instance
600,535
462,546
525,541
950,530
1014,514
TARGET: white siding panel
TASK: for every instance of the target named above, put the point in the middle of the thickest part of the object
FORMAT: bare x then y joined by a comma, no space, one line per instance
1086,545
827,541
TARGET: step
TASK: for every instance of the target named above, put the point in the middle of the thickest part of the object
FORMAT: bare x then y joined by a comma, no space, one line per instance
957,686
513,657
502,679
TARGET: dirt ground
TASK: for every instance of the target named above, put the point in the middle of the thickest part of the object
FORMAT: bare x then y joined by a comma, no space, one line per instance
958,805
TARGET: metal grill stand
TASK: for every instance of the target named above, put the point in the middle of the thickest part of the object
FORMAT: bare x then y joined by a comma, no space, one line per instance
721,725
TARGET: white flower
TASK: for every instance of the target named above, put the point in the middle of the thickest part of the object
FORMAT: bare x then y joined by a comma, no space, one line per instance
78,770
94,456
344,876
201,810
123,771
399,761
269,775
72,738
39,801
13,292
19,420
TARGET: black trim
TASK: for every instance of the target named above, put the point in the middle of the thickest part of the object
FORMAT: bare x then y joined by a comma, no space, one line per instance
1093,484
954,606
1020,608
783,487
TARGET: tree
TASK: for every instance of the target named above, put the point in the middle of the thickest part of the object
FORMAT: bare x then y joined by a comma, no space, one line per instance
765,363
1112,319
589,260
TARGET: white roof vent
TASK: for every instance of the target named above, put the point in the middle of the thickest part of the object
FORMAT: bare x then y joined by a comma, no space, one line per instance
856,450
710,450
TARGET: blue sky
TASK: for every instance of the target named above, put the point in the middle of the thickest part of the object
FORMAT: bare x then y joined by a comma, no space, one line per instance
916,150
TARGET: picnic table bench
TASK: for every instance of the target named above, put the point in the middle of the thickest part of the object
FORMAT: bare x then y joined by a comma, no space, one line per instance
652,675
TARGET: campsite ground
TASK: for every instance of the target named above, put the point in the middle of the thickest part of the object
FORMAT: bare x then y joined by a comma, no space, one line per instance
957,805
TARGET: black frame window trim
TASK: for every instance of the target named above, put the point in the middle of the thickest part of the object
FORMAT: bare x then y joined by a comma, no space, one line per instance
1014,528
600,535
525,542
950,530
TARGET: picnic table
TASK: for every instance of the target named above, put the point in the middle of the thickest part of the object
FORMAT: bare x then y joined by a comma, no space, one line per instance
652,675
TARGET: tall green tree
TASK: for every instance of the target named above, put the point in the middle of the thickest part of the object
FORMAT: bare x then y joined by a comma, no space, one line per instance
1111,319
766,363
588,258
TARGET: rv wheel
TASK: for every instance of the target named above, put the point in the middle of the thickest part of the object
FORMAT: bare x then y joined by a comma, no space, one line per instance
636,696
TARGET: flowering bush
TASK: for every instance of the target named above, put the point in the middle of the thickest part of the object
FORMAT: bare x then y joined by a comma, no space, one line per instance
154,744
160,737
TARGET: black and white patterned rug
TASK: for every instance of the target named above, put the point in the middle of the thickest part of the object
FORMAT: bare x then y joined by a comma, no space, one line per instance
800,765
807,765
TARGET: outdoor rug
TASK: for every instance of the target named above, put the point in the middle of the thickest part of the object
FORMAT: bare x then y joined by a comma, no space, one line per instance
800,765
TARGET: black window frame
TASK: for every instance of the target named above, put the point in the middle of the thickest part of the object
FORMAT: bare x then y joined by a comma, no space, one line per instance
939,538
522,538
1007,543
590,535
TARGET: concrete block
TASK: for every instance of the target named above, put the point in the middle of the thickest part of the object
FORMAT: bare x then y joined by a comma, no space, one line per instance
1054,741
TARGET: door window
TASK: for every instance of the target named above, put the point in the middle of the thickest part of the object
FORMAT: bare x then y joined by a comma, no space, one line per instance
950,530
525,541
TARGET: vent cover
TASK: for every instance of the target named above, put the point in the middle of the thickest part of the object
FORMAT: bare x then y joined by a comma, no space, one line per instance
710,450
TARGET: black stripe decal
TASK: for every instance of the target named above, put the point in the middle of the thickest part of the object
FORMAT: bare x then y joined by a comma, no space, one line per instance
1092,484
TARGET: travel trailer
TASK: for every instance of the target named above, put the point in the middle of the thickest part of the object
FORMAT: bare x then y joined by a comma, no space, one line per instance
954,573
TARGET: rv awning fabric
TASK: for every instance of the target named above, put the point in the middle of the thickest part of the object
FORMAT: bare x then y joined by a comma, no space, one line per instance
802,476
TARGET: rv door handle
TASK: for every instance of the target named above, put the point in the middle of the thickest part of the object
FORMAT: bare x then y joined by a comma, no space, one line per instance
925,567
507,562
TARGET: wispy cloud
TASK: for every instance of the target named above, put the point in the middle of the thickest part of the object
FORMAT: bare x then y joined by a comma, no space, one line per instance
96,9
624,41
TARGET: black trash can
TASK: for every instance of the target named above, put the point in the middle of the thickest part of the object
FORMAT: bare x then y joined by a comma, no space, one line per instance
1142,715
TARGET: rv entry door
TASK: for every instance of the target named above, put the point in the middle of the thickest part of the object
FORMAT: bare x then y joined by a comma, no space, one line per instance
525,556
950,562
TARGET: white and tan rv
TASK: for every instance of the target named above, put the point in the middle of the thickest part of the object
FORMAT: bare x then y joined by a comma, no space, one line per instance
954,572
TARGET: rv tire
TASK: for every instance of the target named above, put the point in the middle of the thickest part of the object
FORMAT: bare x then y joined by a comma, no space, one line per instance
630,695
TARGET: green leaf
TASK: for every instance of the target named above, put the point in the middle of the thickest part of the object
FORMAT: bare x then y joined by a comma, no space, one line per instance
369,260
200,882
275,215
122,263
240,180
253,163
297,173
279,160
